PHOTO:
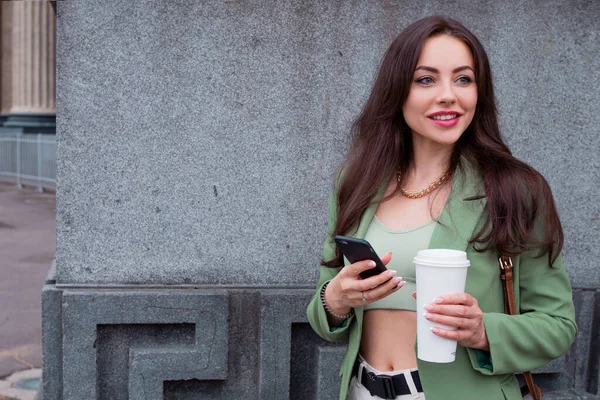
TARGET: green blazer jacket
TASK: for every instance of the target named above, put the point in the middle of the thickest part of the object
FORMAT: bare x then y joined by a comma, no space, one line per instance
544,330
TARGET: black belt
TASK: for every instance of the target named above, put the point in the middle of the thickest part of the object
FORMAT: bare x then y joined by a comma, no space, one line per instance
384,386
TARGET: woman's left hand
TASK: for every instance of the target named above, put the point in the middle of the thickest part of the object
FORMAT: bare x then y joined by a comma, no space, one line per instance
462,311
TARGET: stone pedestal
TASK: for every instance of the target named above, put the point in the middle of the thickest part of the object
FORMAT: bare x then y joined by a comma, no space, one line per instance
197,147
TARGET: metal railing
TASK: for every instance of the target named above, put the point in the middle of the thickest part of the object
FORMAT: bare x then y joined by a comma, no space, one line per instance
28,159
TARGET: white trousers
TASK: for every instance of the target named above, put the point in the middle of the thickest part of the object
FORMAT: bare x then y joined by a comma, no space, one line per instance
357,391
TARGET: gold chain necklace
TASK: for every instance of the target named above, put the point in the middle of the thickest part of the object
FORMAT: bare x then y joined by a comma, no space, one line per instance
423,192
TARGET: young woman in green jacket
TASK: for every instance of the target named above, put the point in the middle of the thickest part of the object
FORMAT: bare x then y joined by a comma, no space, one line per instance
428,168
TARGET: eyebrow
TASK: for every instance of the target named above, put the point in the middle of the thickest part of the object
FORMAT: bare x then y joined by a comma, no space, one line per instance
436,71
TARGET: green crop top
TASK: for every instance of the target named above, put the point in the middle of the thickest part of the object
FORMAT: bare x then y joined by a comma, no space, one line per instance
404,246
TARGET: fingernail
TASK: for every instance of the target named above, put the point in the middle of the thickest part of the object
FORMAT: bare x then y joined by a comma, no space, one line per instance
371,263
438,300
434,329
391,273
428,307
427,315
397,280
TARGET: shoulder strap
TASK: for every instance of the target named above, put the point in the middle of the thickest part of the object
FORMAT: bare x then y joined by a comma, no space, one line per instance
506,275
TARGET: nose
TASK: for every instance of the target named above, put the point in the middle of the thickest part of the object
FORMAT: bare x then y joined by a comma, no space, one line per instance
446,94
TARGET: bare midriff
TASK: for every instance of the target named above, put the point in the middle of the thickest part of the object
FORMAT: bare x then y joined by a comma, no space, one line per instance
388,339
389,336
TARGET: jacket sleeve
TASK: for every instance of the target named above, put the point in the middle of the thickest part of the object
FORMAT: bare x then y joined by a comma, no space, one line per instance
317,316
544,329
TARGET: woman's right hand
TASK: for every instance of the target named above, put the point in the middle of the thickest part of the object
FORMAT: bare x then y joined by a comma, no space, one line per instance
348,289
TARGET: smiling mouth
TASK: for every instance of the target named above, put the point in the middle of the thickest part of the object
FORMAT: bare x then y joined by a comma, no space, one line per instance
444,117
445,120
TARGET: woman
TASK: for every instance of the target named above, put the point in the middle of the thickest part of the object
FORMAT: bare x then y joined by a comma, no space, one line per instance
428,169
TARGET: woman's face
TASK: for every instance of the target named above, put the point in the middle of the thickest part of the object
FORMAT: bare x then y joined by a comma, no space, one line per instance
443,94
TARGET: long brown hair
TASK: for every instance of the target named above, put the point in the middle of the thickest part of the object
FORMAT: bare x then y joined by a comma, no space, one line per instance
521,214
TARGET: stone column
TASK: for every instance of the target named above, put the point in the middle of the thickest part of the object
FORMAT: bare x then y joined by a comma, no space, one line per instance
33,106
6,58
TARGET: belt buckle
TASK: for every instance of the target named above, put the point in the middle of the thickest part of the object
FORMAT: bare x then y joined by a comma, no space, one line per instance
381,385
372,383
388,386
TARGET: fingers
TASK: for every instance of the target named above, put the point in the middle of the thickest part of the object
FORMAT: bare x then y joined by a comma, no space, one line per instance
352,287
386,258
454,310
459,335
375,281
353,270
456,298
475,338
384,289
458,322
459,311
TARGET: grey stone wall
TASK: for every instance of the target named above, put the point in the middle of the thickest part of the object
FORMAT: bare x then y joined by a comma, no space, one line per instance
196,147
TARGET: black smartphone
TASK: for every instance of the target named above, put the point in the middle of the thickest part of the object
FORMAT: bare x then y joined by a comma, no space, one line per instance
358,250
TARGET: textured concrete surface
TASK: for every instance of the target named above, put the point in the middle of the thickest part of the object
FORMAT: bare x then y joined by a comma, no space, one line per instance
123,345
188,344
196,146
197,140
132,344
27,246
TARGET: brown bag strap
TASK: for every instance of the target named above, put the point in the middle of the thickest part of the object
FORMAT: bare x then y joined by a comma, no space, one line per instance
506,275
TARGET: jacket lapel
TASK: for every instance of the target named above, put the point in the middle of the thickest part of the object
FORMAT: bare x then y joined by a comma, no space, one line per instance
462,211
363,226
367,217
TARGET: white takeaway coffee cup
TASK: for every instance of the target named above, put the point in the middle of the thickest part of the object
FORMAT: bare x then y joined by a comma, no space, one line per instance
438,272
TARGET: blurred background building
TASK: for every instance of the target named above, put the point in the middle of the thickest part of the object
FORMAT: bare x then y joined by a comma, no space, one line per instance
28,92
27,159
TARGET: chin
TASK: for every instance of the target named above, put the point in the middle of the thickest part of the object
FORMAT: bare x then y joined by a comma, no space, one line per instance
447,140
444,137
451,137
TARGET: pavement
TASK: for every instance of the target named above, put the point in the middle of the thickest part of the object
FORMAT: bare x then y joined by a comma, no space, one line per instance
27,248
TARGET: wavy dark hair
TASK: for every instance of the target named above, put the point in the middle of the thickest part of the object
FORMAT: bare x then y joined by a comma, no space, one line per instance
521,214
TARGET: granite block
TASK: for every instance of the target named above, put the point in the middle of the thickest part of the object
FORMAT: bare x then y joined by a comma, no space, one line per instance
52,333
197,140
243,369
586,349
186,338
280,309
119,372
328,379
166,346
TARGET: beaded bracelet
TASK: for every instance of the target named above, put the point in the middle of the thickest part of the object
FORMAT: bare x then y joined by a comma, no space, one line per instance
329,310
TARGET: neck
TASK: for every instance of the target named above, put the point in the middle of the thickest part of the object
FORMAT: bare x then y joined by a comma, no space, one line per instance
430,160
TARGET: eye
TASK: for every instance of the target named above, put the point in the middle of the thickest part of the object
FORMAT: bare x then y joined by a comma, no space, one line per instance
464,80
426,80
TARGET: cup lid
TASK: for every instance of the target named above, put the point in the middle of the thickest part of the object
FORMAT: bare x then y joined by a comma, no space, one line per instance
442,258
